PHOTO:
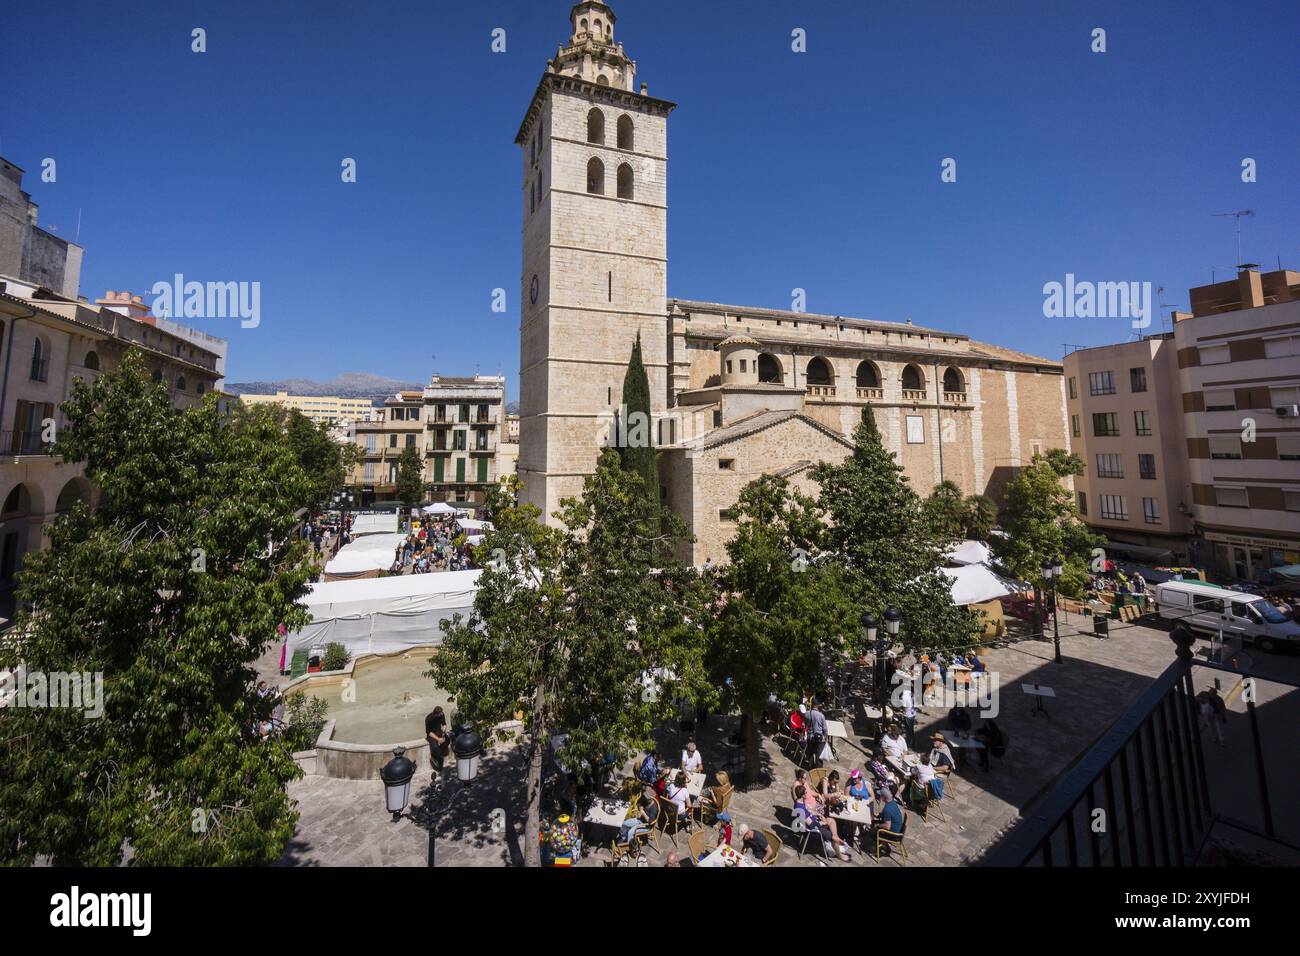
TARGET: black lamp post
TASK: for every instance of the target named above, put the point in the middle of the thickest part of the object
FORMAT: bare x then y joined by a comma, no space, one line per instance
870,629
892,618
397,774
1051,572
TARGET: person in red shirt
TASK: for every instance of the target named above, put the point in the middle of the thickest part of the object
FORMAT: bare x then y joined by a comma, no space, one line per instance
724,829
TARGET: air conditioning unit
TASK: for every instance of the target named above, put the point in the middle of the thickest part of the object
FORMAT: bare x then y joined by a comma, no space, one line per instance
1288,411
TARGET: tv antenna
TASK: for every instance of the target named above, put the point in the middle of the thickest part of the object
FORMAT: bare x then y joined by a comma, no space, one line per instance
1237,216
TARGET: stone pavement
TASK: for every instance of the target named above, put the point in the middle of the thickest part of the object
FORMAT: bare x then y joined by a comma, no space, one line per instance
344,822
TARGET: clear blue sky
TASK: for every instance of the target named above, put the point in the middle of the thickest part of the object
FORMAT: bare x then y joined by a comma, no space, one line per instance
817,170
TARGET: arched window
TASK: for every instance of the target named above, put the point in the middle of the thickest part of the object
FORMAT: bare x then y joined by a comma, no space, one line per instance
200,387
180,383
596,26
582,25
868,375
602,80
596,126
624,181
92,361
157,375
913,380
625,132
769,369
532,197
819,373
595,176
952,381
40,362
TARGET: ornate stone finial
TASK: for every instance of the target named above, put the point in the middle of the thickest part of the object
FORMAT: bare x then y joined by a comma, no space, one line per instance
1183,638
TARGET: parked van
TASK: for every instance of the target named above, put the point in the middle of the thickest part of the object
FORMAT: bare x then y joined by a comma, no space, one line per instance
1237,614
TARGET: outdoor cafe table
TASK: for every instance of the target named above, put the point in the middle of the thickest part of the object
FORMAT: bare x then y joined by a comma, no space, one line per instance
962,742
694,782
726,856
836,728
861,815
608,812
904,764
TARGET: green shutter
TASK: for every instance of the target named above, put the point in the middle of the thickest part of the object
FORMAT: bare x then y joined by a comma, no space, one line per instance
482,470
437,468
460,471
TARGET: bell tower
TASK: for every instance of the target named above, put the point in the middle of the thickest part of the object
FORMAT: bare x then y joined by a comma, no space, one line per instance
595,253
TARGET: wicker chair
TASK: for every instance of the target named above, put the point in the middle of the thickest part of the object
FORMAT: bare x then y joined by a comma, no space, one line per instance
622,854
815,778
667,821
887,837
773,847
717,800
698,844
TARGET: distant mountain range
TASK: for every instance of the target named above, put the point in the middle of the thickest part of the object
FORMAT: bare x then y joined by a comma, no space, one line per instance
376,388
349,385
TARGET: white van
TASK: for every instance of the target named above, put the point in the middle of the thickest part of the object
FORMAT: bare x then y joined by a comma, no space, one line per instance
1237,614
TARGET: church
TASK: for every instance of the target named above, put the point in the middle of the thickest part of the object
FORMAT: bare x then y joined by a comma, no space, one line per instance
736,391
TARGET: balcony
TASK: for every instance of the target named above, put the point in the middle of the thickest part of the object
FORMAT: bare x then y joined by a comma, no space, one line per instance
23,443
870,393
914,394
821,391
954,398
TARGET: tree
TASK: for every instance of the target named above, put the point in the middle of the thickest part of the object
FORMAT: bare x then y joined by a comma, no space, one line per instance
410,477
785,611
591,628
1041,521
325,461
171,590
954,516
890,552
636,442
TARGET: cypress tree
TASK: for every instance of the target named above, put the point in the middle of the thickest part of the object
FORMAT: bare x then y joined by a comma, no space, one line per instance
636,439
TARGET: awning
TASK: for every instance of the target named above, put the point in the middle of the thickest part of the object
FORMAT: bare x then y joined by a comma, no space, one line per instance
969,552
976,583
1141,553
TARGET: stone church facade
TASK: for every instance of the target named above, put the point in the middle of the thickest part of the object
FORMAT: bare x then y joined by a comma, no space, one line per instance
735,391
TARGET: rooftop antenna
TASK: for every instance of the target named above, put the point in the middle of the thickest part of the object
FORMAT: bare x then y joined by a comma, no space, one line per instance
78,237
1237,216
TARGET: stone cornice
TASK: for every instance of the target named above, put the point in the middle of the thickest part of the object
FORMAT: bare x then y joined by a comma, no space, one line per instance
604,94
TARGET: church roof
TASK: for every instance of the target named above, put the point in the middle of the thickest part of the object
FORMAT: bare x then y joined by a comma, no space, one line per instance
755,423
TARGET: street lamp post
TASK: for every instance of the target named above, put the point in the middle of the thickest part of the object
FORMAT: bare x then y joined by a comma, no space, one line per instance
398,772
892,618
869,627
1051,573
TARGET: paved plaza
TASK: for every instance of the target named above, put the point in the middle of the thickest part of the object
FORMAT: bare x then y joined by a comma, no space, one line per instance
344,823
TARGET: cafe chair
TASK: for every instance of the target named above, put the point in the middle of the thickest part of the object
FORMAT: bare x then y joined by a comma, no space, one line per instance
625,854
699,845
888,838
773,847
717,800
801,829
933,802
668,821
815,778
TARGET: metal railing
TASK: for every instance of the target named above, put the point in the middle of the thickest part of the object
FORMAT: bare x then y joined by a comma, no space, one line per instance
23,443
1141,795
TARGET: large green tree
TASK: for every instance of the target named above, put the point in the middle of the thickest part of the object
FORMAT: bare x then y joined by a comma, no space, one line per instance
955,516
888,546
324,461
171,589
589,629
636,442
410,477
786,611
1041,521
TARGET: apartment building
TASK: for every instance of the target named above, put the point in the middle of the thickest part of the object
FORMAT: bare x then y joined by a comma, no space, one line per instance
455,422
1126,423
47,342
327,409
1239,377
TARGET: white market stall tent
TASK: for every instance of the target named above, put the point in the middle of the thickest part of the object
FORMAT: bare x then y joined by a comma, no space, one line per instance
366,555
969,552
368,523
382,615
978,584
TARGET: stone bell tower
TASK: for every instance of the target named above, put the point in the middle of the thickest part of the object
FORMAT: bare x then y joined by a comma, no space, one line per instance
593,201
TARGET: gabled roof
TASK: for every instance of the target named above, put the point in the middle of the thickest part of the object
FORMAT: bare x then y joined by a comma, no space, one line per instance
755,423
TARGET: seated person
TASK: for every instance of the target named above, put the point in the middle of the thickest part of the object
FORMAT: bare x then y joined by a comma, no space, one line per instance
800,780
924,777
724,829
677,793
941,757
829,791
692,762
648,772
891,814
894,744
807,811
881,770
959,720
754,842
860,788
995,741
977,664
640,817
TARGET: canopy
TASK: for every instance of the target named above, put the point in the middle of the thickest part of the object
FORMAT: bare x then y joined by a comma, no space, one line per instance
969,552
1287,571
1141,553
367,524
373,552
438,508
382,615
976,583
471,526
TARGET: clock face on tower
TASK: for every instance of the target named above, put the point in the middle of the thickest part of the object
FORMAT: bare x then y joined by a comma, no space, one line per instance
532,290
